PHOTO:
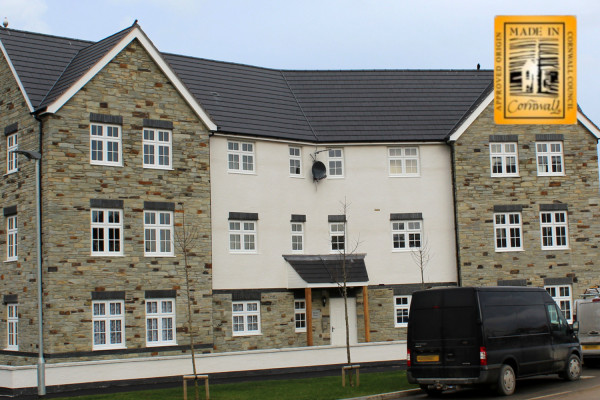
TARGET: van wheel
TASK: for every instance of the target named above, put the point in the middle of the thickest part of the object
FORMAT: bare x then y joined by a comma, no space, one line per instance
572,370
506,380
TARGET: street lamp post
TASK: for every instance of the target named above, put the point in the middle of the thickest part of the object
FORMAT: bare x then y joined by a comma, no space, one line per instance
41,365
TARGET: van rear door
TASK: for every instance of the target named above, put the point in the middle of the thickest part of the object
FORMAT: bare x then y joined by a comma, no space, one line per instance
444,334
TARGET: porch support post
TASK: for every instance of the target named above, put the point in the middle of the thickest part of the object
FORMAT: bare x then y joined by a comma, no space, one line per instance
366,313
308,300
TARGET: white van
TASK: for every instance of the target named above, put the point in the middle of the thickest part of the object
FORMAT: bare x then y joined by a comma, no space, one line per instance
587,313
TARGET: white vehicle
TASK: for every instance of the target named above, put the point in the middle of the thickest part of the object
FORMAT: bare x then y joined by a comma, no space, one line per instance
587,313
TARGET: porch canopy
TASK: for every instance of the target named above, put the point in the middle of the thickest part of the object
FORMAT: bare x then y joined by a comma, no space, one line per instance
327,270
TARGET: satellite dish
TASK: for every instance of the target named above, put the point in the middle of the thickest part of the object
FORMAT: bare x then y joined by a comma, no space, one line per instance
319,171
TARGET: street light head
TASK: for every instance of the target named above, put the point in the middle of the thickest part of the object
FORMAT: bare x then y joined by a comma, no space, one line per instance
32,155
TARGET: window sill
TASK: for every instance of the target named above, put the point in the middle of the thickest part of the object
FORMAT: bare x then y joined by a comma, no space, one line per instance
106,165
241,172
405,176
508,250
11,260
11,173
555,248
163,344
159,255
109,348
11,349
169,168
246,334
243,252
106,255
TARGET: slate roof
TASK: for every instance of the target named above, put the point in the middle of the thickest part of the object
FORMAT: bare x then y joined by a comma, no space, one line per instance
328,268
313,106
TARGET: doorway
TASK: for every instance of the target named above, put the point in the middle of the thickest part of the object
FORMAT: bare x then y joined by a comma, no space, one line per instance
338,322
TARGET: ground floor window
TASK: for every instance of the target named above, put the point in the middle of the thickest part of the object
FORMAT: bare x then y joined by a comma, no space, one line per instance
108,321
12,320
300,315
160,322
562,296
401,307
245,318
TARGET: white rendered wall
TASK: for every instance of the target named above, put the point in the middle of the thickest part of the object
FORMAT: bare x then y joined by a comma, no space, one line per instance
372,195
154,367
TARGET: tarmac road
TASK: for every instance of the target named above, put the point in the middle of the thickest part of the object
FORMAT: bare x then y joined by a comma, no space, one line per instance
541,388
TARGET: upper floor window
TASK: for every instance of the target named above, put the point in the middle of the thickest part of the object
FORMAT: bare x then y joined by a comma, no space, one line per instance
554,230
507,231
12,326
160,322
406,235
242,236
336,163
105,144
549,158
300,315
337,236
401,308
297,237
503,159
107,232
157,148
12,238
158,233
403,161
562,296
108,321
12,162
245,318
295,161
240,157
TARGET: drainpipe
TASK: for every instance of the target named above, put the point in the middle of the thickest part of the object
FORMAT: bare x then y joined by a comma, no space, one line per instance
456,237
41,362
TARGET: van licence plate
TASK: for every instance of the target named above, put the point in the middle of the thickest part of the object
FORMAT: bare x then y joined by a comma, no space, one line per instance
591,347
428,358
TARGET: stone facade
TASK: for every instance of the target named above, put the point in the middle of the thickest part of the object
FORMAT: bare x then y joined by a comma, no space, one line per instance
477,193
133,87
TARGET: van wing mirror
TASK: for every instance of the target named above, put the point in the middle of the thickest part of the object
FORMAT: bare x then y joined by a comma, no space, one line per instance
576,326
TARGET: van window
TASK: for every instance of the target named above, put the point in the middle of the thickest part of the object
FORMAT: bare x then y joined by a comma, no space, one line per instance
557,321
514,320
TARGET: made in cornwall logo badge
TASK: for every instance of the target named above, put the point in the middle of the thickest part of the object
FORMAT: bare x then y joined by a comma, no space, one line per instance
535,70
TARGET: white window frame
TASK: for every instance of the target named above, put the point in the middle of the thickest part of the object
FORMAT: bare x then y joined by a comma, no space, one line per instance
12,238
99,133
241,158
401,309
295,154
154,148
335,162
300,315
501,152
241,314
12,326
106,228
401,158
509,228
297,229
246,233
158,233
160,322
335,228
562,295
550,159
554,225
12,160
409,232
109,324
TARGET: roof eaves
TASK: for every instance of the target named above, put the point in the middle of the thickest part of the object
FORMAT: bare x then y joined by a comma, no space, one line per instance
16,76
486,97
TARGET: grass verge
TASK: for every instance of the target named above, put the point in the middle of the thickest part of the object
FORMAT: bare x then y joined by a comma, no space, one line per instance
325,388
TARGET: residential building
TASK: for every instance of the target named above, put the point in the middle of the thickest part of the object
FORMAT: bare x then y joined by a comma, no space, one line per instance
286,180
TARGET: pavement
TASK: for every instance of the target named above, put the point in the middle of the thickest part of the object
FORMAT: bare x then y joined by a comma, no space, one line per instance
389,396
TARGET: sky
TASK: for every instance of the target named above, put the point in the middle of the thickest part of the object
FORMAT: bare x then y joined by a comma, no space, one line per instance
319,34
